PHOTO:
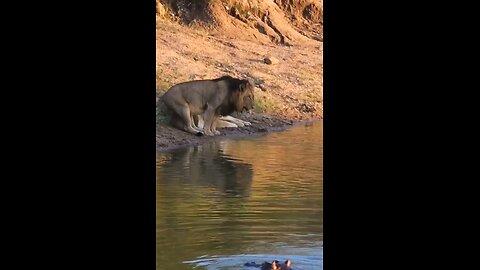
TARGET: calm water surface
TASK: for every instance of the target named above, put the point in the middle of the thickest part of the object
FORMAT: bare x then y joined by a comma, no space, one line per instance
232,201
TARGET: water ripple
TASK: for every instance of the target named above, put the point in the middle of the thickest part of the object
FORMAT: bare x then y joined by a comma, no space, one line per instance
261,198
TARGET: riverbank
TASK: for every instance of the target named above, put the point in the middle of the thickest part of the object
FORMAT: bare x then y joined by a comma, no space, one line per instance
284,57
169,138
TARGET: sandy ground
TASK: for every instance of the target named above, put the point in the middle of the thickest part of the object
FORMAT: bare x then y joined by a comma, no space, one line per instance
289,92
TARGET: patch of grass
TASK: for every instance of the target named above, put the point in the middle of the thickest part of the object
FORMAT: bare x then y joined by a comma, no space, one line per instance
200,26
162,118
260,105
167,78
264,104
162,81
313,96
162,87
242,9
162,115
310,75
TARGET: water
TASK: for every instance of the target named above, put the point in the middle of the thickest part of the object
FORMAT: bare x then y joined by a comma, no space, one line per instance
232,201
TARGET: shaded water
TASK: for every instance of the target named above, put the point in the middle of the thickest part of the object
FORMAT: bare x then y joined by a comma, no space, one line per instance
232,201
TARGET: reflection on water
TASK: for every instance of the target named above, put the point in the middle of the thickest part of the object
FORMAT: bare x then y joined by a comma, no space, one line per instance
232,201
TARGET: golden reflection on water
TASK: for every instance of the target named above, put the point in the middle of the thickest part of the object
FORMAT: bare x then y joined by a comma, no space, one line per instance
251,195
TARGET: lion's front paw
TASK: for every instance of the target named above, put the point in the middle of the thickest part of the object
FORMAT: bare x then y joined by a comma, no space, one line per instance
198,129
209,133
216,132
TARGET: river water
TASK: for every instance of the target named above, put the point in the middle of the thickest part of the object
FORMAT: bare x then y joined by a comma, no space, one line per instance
232,201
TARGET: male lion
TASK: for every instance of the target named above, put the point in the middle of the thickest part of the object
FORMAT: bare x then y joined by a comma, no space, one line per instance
210,99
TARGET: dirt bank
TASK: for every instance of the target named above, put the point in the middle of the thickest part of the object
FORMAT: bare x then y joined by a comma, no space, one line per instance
213,38
169,138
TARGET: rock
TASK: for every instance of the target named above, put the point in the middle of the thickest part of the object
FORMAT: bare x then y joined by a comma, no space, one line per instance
318,37
305,108
259,81
262,87
195,58
271,60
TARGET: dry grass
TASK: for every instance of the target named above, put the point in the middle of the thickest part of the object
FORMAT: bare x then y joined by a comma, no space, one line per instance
186,53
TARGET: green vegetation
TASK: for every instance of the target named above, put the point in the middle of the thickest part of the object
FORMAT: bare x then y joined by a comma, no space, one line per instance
241,10
163,81
162,116
314,96
263,104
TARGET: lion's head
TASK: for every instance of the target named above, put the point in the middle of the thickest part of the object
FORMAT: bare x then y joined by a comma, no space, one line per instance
246,97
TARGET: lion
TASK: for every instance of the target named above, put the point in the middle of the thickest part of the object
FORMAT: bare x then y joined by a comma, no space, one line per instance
209,99
221,122
230,121
224,121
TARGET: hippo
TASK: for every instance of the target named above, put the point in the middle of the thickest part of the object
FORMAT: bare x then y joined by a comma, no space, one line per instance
275,265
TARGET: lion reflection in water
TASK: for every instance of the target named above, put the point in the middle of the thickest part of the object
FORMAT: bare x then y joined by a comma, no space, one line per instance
208,165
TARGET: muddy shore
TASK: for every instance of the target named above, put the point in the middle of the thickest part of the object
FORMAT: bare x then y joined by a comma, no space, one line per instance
169,138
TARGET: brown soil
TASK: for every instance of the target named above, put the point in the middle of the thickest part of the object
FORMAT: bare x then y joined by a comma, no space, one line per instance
212,38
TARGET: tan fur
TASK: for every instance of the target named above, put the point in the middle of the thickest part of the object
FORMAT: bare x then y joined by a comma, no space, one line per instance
223,121
208,98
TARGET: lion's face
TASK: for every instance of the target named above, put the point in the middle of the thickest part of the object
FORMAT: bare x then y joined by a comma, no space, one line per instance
248,97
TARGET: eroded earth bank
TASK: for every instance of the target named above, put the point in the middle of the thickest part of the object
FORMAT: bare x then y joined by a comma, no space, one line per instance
277,44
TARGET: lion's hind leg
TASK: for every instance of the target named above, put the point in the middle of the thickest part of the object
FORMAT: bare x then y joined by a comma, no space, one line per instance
214,126
184,112
201,123
210,118
195,119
